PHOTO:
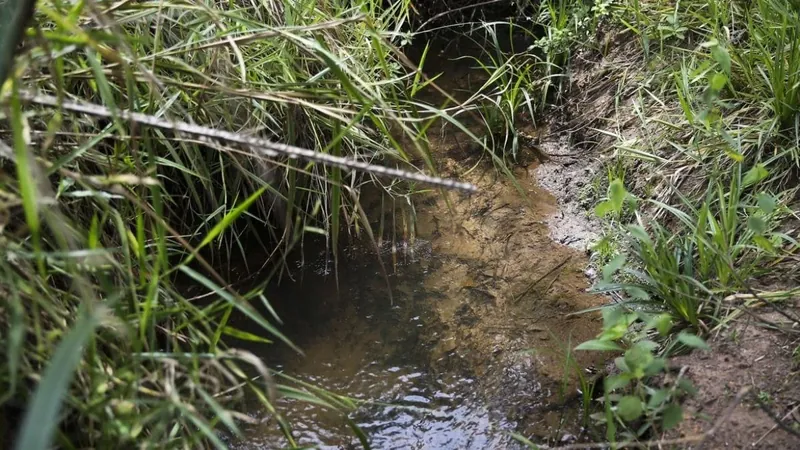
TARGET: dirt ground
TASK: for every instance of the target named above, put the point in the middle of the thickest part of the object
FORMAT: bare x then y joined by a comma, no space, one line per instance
747,356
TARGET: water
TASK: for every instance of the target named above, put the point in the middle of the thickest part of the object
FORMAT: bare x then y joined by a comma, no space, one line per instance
470,345
360,345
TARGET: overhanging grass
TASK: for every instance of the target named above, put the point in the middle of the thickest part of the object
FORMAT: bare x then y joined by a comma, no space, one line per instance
105,212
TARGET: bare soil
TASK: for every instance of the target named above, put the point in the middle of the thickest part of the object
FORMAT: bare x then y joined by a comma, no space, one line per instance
747,356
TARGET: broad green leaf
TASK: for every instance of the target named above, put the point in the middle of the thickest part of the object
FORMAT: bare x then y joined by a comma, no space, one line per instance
596,344
638,358
673,415
629,408
615,382
757,224
603,208
42,415
691,340
655,367
662,323
617,195
613,267
687,386
766,203
657,398
722,57
756,174
718,81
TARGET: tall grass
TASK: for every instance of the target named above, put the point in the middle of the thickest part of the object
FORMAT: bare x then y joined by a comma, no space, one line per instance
114,200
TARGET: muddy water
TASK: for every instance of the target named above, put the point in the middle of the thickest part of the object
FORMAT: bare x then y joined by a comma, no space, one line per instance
360,344
470,346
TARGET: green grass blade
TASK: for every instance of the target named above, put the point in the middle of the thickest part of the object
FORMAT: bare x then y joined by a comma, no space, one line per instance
41,418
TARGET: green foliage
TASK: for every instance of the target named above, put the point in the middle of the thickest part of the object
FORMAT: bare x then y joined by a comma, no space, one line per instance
508,92
105,222
639,401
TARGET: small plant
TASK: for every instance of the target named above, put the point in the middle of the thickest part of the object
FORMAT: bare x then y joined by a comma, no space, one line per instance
640,398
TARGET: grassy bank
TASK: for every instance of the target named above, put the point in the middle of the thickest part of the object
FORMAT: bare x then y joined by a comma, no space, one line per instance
695,116
149,142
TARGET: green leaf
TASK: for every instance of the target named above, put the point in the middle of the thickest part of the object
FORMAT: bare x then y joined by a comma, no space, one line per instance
640,234
242,306
244,335
756,174
615,382
655,367
228,219
629,408
764,244
617,195
636,292
603,208
662,323
596,344
718,81
638,358
657,398
42,416
734,155
687,386
673,415
757,224
722,57
613,267
691,340
767,203
14,15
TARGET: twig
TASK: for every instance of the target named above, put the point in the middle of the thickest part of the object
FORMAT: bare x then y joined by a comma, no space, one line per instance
264,147
538,280
775,418
724,417
776,425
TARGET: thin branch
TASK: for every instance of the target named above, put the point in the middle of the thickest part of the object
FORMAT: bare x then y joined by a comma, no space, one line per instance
264,147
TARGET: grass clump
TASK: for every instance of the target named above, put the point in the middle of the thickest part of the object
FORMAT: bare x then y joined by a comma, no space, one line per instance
108,202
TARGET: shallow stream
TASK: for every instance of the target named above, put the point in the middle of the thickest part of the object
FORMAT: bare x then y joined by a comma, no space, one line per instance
471,345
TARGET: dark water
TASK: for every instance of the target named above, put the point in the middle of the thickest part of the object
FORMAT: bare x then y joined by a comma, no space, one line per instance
361,344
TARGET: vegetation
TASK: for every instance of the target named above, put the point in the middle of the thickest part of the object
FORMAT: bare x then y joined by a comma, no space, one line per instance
146,143
715,103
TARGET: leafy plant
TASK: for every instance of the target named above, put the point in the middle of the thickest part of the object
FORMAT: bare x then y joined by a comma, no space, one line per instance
634,407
